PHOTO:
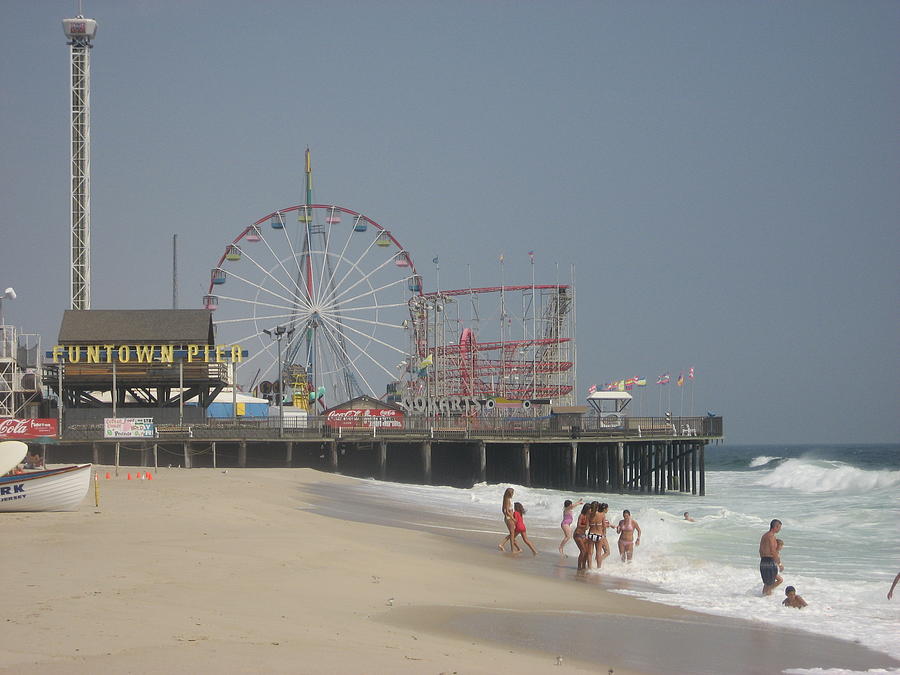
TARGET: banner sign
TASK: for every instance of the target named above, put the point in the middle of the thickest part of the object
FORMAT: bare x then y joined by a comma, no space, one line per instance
129,427
30,428
365,418
146,354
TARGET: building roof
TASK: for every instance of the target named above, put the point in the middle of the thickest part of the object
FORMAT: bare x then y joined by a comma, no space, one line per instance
569,410
136,326
362,402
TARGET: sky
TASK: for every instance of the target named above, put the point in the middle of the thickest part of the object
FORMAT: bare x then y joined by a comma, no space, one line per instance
721,176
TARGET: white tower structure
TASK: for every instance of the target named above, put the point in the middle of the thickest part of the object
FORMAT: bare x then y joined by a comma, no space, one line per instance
80,32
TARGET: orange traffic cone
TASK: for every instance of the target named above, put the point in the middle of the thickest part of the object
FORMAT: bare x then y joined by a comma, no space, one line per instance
129,475
107,475
139,476
149,476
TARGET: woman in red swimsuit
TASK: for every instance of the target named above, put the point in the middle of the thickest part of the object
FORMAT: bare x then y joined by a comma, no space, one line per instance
519,516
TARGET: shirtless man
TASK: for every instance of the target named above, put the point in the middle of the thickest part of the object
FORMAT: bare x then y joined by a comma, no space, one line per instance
770,559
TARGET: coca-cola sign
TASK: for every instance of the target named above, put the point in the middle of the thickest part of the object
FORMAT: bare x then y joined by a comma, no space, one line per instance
365,417
31,428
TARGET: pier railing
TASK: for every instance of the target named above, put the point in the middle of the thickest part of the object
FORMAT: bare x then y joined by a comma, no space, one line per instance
417,428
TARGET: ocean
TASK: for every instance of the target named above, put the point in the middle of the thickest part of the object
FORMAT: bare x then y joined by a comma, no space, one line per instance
838,504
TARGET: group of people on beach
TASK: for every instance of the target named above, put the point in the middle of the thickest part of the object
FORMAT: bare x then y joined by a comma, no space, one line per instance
589,533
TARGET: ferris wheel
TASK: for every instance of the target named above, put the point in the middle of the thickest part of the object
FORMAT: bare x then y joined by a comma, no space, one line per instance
324,287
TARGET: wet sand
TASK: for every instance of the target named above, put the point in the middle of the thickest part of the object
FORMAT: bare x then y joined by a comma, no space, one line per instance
277,570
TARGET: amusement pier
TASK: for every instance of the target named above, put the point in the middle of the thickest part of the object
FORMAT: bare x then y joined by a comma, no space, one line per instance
317,345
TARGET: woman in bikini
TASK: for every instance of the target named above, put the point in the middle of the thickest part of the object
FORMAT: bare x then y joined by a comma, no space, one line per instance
580,537
566,524
597,524
627,541
510,521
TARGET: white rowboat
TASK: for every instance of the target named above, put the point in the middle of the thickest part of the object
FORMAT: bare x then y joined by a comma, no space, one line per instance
60,489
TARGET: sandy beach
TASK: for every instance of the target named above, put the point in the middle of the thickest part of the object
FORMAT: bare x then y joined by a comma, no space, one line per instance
292,570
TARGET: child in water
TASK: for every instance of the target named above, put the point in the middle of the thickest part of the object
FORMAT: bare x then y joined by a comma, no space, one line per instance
519,514
792,599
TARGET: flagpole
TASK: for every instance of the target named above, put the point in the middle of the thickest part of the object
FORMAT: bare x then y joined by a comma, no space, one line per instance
533,331
502,326
659,409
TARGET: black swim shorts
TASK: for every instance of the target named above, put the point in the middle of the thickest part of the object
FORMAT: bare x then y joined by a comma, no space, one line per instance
768,570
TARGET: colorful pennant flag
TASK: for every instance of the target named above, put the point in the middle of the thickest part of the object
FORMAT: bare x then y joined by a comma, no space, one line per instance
663,379
592,388
640,381
680,381
691,373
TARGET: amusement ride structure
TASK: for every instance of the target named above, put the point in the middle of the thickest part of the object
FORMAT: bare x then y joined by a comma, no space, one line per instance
338,297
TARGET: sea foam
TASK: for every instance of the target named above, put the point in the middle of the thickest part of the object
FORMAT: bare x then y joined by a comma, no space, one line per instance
813,476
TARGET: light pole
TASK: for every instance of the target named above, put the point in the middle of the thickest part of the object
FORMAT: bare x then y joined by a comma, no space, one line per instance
8,294
276,334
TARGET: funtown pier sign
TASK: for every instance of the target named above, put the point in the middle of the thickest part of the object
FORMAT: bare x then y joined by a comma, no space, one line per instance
145,353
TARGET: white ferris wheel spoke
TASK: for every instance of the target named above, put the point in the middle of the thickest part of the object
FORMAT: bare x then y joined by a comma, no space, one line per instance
359,332
294,296
255,318
363,351
370,321
252,302
350,361
278,258
369,307
371,291
260,288
353,266
340,258
300,272
336,298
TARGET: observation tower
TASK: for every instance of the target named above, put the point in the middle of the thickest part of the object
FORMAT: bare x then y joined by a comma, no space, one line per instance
80,31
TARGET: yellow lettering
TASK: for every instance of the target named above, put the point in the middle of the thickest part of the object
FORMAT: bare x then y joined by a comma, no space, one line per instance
236,356
109,351
124,354
206,349
57,352
220,353
74,354
167,353
144,353
93,353
193,350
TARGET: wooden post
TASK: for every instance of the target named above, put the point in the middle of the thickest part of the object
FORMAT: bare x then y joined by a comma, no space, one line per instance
332,455
526,464
481,453
702,470
382,460
242,454
155,458
426,462
693,468
289,454
214,458
96,452
620,466
117,458
603,454
573,463
186,447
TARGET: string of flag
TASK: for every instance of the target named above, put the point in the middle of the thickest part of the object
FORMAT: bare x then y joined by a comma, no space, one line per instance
628,383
